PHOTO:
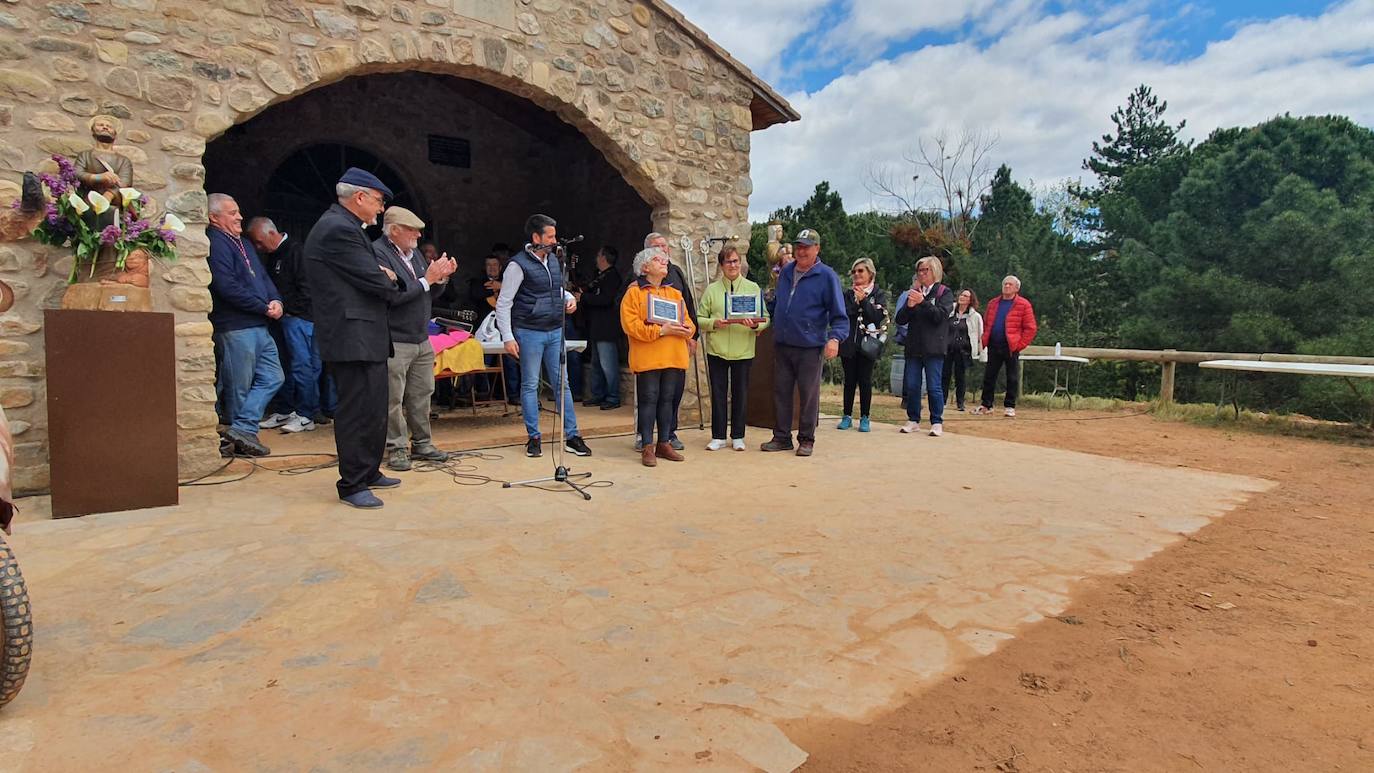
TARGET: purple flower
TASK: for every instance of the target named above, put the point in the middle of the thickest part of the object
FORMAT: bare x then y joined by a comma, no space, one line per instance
168,235
110,235
134,228
56,186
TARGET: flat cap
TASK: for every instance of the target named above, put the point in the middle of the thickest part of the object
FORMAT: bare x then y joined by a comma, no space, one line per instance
402,216
365,179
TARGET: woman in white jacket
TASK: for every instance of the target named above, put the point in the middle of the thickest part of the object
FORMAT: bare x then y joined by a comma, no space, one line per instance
965,343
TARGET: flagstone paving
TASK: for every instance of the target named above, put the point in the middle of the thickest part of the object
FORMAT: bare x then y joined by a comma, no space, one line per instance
669,623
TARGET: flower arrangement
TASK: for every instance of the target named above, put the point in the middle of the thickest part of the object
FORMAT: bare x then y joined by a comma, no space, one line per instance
64,225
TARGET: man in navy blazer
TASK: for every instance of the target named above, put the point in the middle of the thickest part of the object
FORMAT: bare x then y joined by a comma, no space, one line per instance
243,300
350,295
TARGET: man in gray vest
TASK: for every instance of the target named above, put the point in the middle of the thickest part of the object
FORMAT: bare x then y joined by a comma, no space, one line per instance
529,313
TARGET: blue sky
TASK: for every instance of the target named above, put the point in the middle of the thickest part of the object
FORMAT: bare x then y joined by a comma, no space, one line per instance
874,78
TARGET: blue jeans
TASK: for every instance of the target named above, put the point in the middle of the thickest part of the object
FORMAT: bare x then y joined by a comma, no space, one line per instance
606,372
303,357
249,373
541,347
932,369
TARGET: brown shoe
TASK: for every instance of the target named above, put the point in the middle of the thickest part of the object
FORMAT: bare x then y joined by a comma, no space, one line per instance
647,457
804,448
776,445
665,451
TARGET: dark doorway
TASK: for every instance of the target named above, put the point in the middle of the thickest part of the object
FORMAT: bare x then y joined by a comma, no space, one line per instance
302,187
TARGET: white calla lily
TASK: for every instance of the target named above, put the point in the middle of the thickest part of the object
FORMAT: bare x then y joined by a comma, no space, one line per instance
173,223
130,195
77,203
98,202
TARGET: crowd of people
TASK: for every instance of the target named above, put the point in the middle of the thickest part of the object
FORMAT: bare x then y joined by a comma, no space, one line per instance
336,327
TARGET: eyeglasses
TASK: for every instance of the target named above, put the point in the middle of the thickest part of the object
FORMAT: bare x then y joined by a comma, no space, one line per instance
923,270
375,196
858,271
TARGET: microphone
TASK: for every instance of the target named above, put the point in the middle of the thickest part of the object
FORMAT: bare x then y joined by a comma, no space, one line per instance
571,240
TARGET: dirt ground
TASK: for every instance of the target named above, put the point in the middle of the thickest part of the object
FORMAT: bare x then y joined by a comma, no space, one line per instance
1248,647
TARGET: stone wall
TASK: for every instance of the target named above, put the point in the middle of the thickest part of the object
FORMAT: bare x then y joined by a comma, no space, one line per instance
666,113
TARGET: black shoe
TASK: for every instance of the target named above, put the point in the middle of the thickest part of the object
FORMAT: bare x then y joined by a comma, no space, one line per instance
610,406
533,449
382,481
364,500
246,444
429,454
591,403
321,419
577,445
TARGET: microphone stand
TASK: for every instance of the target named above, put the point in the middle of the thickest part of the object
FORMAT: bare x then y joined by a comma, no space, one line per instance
561,473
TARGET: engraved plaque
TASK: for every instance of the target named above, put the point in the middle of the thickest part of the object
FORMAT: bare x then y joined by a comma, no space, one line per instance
498,13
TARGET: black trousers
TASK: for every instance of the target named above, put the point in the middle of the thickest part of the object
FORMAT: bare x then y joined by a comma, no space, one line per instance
997,357
359,422
797,369
956,369
729,395
677,398
858,374
656,393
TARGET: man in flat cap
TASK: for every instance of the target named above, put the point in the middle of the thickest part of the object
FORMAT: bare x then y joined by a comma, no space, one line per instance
410,369
350,295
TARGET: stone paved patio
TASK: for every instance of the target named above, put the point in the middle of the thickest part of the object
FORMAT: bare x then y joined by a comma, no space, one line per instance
669,623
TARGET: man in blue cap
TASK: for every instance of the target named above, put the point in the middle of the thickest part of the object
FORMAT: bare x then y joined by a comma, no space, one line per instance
350,292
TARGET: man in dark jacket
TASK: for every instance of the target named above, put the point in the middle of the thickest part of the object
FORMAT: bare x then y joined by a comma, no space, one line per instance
410,369
925,312
599,304
243,299
809,322
350,293
301,360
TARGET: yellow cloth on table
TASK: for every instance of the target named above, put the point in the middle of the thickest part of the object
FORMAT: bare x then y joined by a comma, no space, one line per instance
463,358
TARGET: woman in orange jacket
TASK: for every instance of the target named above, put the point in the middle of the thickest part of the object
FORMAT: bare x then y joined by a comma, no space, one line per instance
658,352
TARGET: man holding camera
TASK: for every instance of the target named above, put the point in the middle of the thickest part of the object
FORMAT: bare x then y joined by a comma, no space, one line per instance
530,313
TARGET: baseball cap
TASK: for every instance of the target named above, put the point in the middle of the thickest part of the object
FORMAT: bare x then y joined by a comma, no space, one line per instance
807,237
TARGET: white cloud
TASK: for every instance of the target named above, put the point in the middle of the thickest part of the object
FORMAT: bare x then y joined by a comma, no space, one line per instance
1047,86
757,32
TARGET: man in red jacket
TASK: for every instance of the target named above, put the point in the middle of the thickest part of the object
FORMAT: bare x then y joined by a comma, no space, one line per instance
1008,327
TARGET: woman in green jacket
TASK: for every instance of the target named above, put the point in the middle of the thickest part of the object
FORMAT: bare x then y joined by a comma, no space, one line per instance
730,344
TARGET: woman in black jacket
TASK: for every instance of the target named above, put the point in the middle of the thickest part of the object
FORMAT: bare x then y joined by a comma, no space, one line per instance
926,315
866,304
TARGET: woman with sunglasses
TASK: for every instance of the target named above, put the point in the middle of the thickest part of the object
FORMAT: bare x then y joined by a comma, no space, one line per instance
866,304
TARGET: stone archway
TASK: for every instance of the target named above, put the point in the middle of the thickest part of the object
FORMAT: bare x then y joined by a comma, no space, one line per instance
668,111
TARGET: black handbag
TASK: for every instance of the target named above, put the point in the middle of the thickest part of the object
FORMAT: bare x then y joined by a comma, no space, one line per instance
870,347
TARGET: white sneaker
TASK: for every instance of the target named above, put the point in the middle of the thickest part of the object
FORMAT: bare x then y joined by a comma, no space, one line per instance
1011,413
276,420
738,443
911,427
298,424
936,430
716,444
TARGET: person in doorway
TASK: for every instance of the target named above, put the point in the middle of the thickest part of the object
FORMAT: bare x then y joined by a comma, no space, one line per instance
529,314
965,343
866,306
243,300
1009,327
926,315
350,295
603,330
410,368
730,340
809,322
658,354
302,361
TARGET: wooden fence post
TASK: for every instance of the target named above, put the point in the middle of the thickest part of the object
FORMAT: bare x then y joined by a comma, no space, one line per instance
1166,383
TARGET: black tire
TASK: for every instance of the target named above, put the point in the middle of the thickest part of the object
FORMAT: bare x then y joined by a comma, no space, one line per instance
16,633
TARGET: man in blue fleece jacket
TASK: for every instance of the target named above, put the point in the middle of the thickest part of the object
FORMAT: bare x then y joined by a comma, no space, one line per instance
809,322
244,299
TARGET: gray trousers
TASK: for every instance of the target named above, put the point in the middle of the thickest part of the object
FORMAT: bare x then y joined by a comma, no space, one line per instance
410,383
797,369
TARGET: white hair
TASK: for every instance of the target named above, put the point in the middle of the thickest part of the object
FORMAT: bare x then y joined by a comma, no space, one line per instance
215,202
649,240
345,191
1012,278
261,223
643,257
